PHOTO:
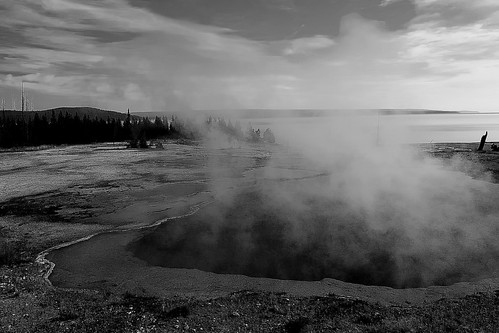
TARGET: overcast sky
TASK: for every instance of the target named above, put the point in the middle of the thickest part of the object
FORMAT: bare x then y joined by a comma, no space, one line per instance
210,54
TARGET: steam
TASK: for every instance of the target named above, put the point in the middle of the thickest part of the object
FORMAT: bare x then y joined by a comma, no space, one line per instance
337,203
436,223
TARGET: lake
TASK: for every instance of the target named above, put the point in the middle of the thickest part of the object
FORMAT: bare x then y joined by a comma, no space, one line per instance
410,128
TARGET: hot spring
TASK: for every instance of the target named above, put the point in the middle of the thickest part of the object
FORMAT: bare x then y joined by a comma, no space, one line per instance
376,212
319,227
331,201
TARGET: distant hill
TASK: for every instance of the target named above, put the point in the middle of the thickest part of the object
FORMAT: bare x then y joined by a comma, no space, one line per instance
284,113
418,111
92,113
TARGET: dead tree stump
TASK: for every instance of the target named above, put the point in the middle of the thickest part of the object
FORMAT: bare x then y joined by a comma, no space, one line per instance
482,141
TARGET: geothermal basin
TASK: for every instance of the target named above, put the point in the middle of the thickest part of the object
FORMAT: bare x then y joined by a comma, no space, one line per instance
278,222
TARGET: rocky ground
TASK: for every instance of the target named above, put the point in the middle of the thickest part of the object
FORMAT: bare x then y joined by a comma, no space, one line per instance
29,305
33,220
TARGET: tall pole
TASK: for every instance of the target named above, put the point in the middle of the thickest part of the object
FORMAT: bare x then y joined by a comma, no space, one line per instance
22,98
23,101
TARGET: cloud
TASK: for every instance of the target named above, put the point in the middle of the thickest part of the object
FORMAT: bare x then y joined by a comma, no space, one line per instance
308,44
385,3
165,53
456,12
285,5
101,49
456,3
459,40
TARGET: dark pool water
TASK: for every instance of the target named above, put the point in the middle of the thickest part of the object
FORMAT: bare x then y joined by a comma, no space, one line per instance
258,236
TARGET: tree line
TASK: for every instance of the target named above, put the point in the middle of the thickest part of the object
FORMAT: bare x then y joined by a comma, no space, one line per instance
73,129
64,128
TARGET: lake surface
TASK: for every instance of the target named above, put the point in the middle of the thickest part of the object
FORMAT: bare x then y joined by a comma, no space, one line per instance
412,128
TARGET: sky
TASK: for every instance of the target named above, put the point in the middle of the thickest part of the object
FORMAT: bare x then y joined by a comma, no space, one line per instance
174,55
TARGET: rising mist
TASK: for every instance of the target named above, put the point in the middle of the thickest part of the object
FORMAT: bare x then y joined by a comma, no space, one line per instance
339,201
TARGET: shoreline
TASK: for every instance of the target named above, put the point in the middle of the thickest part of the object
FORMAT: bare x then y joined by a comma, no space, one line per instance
42,260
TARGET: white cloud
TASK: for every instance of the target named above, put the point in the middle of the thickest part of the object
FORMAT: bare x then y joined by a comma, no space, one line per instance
457,12
308,44
285,5
457,3
167,53
48,57
385,3
133,92
168,64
